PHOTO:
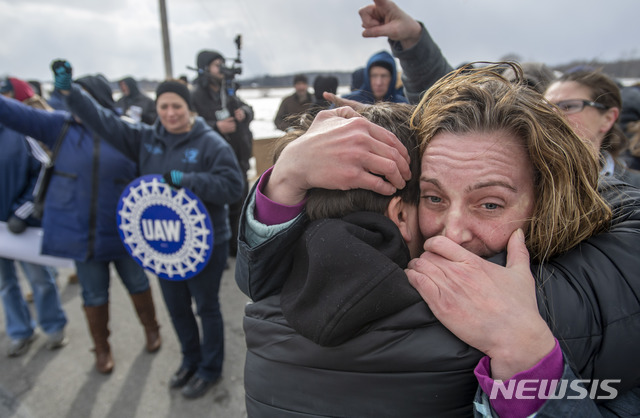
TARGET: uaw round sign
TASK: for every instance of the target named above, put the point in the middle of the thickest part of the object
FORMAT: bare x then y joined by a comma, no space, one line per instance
167,231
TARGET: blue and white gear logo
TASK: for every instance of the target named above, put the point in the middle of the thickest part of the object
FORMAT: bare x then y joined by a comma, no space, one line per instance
167,231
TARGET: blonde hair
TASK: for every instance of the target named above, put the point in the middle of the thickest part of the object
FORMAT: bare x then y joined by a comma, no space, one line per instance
38,103
568,207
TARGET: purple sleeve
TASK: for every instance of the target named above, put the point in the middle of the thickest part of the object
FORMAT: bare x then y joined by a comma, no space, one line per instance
549,368
269,212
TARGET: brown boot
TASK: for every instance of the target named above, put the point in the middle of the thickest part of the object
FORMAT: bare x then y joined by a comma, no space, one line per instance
146,310
98,321
73,278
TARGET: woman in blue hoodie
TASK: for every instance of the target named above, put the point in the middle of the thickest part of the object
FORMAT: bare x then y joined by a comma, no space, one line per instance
190,154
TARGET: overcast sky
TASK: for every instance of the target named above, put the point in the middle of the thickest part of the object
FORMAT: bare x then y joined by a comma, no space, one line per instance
123,37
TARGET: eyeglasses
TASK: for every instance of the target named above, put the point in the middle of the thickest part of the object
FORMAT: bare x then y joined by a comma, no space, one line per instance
569,107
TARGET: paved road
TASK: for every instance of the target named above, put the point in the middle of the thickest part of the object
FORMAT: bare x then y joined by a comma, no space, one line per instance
64,383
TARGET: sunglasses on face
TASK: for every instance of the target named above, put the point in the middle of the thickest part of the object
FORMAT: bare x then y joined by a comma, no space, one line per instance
574,106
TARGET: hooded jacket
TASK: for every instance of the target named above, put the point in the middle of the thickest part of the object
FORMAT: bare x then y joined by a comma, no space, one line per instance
349,311
137,98
365,94
405,365
98,87
342,270
89,176
210,169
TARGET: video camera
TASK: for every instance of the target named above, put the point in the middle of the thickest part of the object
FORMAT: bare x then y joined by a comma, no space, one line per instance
235,69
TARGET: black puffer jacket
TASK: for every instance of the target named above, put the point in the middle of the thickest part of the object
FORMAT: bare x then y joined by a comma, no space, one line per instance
348,279
590,297
347,273
408,364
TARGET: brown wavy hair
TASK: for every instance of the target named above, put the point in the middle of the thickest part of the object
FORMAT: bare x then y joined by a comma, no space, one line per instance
568,207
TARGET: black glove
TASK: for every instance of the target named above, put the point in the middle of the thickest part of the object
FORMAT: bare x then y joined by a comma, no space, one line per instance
173,178
62,72
16,225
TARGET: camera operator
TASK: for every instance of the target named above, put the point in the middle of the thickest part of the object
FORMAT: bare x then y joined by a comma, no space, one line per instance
214,99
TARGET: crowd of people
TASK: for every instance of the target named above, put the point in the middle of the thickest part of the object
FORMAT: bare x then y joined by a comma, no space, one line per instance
427,238
92,149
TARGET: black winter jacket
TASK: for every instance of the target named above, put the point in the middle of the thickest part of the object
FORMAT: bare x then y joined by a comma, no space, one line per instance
208,103
590,296
348,279
145,104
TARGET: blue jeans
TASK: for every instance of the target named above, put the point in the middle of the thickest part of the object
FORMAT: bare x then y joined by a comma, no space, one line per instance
46,299
93,277
206,356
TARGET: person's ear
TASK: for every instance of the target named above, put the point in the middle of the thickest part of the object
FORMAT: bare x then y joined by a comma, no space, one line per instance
610,117
400,212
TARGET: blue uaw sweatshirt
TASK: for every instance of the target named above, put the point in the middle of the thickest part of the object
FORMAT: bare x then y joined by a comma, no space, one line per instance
210,168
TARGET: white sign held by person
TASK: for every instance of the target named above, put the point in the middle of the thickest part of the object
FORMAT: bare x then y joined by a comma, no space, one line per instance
26,247
167,231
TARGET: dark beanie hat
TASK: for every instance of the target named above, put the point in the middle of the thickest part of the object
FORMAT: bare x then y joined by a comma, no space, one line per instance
205,57
177,87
